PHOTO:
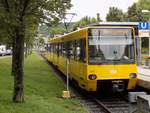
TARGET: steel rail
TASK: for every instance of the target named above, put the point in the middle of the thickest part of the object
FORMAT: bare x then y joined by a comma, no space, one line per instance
103,106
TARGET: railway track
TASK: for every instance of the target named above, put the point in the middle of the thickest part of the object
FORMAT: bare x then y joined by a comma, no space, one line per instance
106,105
113,105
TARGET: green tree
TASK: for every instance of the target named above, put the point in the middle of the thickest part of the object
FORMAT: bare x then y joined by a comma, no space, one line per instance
134,12
4,38
16,17
57,30
115,15
143,4
98,17
30,33
85,21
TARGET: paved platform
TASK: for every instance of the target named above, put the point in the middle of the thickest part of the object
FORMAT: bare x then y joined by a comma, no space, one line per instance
144,77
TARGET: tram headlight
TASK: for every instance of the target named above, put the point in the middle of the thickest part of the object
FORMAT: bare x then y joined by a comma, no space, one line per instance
133,75
92,76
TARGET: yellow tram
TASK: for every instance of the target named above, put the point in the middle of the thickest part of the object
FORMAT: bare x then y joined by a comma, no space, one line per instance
99,57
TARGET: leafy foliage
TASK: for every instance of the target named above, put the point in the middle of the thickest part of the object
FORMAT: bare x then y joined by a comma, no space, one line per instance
31,12
50,31
143,4
57,30
114,14
135,11
132,13
85,21
20,19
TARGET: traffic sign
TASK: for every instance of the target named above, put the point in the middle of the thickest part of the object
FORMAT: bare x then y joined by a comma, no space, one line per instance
143,26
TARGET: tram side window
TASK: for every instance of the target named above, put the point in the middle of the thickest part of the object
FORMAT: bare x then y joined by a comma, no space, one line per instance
83,50
78,50
64,49
74,45
68,49
71,49
57,49
51,46
52,50
60,48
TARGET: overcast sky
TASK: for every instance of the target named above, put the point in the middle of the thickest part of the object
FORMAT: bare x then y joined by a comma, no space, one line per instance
92,7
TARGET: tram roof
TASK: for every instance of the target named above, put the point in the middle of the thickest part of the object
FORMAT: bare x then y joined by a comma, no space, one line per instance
125,24
116,24
131,24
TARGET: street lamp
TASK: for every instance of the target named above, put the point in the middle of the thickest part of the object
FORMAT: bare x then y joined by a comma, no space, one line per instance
66,94
147,11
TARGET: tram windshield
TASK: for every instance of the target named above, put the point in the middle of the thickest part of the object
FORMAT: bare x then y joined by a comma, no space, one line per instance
111,45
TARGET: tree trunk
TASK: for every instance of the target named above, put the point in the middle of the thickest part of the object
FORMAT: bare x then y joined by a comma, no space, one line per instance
18,58
13,58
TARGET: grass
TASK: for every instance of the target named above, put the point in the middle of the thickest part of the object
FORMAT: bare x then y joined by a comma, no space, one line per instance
42,90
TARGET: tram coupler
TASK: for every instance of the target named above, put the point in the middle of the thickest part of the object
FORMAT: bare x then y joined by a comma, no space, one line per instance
118,85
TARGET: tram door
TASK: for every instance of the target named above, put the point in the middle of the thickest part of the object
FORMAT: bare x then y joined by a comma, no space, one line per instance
76,58
81,54
80,58
71,58
59,55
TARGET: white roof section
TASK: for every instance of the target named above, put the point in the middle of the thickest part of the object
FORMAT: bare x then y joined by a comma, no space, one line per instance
118,23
